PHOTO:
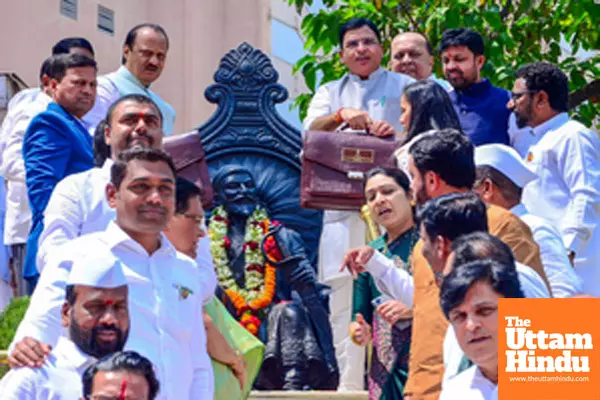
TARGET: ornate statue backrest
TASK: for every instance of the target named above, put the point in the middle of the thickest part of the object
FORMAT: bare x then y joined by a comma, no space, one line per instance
246,130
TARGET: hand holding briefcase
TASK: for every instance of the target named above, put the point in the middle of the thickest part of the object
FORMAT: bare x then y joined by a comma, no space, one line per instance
334,165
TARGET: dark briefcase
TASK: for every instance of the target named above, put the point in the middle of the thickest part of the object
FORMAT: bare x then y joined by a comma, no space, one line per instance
334,165
190,162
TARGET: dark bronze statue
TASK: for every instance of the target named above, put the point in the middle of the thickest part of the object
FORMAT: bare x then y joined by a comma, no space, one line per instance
295,327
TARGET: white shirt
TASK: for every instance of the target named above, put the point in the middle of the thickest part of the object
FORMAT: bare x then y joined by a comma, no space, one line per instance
520,138
58,379
18,215
392,281
563,280
166,328
15,107
379,95
566,159
469,385
78,206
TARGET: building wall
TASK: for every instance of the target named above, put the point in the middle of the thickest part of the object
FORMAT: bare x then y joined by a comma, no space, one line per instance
200,33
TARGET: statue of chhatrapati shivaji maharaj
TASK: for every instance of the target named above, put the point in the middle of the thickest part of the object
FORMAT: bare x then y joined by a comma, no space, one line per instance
275,297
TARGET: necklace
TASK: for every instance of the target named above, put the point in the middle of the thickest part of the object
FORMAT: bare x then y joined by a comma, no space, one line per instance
260,276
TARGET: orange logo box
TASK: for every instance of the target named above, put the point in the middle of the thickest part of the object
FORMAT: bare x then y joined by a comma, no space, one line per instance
549,349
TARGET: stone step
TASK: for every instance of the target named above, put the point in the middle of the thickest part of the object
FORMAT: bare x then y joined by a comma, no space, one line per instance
318,395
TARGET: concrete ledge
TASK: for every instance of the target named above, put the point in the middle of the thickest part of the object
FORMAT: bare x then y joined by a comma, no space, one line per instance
321,395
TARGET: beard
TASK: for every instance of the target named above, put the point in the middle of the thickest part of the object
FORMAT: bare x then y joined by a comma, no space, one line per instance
522,118
88,341
421,196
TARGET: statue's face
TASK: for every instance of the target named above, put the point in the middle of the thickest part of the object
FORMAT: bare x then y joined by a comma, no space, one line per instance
238,193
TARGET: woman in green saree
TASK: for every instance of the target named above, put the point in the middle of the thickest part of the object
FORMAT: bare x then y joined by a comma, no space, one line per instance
386,322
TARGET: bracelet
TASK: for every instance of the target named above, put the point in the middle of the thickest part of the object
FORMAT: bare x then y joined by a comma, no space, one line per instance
337,117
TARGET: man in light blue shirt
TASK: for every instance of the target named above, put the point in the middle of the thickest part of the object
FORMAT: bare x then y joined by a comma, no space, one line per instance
144,55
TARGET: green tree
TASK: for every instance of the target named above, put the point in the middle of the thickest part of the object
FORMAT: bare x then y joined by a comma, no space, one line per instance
516,32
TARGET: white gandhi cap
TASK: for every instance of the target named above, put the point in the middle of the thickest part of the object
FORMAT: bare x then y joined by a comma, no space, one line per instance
506,160
102,271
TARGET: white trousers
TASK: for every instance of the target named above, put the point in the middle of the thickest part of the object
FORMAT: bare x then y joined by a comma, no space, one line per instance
342,231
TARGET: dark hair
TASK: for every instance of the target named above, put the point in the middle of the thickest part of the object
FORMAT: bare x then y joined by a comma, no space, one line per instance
184,191
119,168
355,23
549,78
509,190
463,37
481,245
65,45
126,361
132,35
431,108
503,279
453,215
397,174
101,149
137,98
447,152
46,68
63,62
70,294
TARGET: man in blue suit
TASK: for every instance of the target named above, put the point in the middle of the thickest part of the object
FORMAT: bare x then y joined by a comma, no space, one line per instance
56,143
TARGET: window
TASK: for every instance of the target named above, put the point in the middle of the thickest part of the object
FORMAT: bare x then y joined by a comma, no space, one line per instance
106,20
68,8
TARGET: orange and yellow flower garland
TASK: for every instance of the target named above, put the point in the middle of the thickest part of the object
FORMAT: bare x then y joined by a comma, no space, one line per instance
260,282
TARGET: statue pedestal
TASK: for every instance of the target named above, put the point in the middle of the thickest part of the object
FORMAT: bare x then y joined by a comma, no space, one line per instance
316,395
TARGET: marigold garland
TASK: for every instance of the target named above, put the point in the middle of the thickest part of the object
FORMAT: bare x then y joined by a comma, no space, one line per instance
260,275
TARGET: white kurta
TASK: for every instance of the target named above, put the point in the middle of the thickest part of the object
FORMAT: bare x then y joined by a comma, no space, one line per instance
166,327
78,206
469,385
566,159
563,280
58,379
18,214
5,289
379,95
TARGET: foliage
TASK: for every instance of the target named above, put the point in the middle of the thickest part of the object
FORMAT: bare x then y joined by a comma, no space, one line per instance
9,322
517,32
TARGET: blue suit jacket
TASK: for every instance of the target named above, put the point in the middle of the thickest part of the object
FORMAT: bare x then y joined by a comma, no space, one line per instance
56,145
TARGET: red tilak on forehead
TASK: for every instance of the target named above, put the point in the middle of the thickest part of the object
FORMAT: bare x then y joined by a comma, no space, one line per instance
109,302
123,388
142,115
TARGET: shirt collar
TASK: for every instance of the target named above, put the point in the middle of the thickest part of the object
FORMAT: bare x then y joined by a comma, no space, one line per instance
551,124
477,89
373,77
106,167
69,354
519,210
115,236
126,74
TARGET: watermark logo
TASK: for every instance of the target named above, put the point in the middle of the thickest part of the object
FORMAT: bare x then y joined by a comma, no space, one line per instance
549,349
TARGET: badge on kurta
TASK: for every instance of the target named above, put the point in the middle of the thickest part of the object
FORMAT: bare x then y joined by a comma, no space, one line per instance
184,292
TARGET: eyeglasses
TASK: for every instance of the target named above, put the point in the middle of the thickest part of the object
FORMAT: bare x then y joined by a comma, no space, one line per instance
198,219
514,96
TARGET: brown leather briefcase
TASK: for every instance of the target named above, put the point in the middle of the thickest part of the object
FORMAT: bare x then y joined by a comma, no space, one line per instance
190,162
334,165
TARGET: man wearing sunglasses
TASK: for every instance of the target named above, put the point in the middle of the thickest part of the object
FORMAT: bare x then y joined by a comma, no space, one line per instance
565,155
